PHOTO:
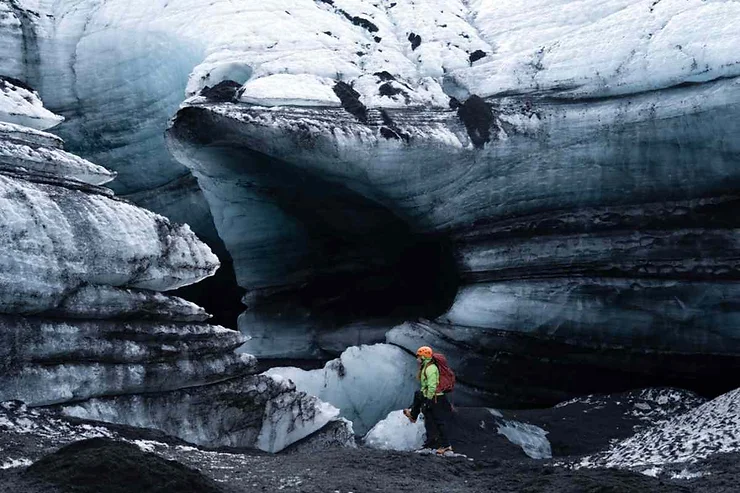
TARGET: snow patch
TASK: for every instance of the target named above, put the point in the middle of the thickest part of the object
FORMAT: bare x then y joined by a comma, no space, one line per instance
653,472
290,90
495,412
15,463
149,445
23,106
711,428
686,474
560,46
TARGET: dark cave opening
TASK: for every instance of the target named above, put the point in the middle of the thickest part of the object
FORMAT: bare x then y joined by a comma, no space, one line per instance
354,258
361,260
417,278
219,294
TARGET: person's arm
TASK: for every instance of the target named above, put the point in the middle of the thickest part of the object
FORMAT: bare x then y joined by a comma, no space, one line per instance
432,380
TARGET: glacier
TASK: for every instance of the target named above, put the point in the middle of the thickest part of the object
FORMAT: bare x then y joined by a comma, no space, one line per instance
84,326
573,225
553,207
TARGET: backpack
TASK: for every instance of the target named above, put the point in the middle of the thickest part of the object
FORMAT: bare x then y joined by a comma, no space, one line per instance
446,375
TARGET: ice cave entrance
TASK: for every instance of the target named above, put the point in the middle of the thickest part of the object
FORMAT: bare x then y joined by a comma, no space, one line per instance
361,259
302,237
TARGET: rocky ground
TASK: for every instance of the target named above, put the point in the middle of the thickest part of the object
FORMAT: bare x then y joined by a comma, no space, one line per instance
110,467
42,452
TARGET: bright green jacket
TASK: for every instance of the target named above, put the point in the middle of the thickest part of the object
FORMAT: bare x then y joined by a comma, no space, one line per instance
429,378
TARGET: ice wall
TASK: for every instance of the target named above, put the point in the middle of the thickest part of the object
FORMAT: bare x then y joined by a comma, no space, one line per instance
586,206
581,155
83,325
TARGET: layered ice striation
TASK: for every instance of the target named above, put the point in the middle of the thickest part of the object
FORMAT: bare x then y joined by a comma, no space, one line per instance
571,213
83,326
251,411
565,214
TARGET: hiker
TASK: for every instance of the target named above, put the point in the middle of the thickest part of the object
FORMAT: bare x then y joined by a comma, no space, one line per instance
436,380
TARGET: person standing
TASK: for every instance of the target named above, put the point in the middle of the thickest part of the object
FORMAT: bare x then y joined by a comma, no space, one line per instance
432,401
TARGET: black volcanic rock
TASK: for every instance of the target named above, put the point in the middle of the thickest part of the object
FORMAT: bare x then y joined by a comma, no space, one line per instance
224,91
415,41
586,424
350,100
477,55
101,464
477,116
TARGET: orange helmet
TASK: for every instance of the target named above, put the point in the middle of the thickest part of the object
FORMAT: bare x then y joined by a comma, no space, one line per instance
424,352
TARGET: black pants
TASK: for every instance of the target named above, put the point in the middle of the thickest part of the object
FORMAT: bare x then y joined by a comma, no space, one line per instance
437,412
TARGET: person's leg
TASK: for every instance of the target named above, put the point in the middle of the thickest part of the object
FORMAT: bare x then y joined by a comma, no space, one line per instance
413,412
416,406
430,425
441,413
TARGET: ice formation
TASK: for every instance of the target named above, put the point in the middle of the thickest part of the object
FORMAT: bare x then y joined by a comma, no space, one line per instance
83,326
396,432
532,439
551,211
552,183
30,433
365,383
20,104
252,411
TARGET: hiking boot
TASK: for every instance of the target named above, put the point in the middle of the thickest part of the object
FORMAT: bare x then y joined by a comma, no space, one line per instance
407,413
443,450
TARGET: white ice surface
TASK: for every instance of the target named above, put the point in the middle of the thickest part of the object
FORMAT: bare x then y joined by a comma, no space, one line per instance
54,161
396,432
287,89
55,239
365,383
597,48
532,439
584,48
24,107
